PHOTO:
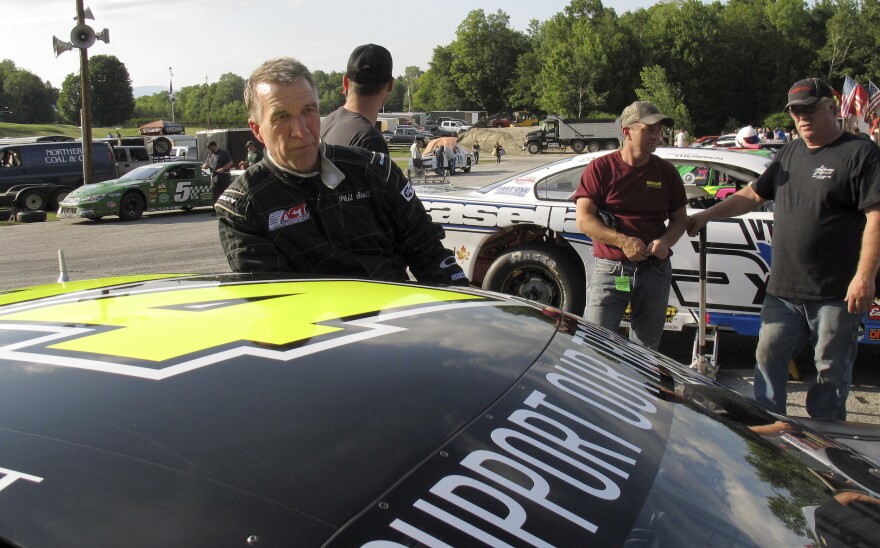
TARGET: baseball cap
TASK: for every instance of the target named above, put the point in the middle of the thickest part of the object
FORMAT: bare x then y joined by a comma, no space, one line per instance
644,112
370,64
250,144
806,92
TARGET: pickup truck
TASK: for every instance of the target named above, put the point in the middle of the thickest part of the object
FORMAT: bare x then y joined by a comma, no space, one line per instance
454,125
406,135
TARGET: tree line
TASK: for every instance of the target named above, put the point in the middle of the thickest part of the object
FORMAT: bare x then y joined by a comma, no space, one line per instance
713,66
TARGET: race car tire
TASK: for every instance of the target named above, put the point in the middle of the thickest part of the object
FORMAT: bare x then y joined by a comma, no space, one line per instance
31,199
59,197
467,167
610,145
534,148
32,216
593,146
540,273
577,146
131,206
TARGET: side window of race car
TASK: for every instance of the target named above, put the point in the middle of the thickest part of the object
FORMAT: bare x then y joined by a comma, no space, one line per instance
560,186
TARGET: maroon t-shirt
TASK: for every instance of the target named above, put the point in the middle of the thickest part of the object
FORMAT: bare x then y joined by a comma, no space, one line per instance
641,198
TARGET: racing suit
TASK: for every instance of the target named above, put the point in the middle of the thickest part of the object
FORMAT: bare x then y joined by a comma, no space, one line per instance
358,216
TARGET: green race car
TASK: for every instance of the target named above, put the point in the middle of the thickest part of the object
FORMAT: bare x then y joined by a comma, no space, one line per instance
153,187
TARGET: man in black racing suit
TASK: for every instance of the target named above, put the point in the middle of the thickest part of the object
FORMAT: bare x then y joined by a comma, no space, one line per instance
312,208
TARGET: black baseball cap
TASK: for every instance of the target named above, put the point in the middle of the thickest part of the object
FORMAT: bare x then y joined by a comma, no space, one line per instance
806,92
370,64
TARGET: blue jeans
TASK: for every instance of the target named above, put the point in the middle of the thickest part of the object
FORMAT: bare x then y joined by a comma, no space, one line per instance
648,295
786,326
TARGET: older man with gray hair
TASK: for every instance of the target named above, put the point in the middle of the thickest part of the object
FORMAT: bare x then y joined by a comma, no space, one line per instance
825,254
313,208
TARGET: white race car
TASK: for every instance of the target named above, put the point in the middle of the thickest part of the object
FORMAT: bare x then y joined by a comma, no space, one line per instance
519,236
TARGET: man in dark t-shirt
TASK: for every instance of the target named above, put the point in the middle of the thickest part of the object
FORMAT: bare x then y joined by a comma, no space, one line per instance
623,203
825,253
366,83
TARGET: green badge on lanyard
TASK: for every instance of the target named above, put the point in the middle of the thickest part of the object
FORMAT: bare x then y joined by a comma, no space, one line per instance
621,283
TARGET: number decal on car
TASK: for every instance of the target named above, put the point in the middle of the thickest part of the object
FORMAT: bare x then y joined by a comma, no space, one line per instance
184,189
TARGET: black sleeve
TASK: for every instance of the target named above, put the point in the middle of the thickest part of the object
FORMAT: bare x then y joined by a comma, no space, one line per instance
419,239
243,238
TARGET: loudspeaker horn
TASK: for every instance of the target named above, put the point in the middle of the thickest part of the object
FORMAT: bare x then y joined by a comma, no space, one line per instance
82,36
104,36
87,14
60,46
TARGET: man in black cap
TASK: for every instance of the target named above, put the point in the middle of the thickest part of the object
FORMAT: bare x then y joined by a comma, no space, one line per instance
219,162
825,254
366,84
637,192
254,155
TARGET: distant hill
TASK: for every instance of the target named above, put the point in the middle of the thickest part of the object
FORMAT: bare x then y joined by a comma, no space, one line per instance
140,91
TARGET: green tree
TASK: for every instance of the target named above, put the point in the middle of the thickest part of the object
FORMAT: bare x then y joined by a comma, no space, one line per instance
112,99
484,57
436,88
110,86
328,86
667,97
26,98
411,77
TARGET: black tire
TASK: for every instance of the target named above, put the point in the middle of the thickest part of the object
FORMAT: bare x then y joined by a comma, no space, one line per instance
31,199
467,167
578,146
610,145
131,206
33,216
6,214
421,143
534,148
593,146
540,273
59,197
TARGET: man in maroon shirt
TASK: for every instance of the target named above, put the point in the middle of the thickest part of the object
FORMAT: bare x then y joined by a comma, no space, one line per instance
623,204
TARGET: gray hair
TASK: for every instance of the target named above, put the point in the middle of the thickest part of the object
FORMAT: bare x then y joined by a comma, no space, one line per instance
283,70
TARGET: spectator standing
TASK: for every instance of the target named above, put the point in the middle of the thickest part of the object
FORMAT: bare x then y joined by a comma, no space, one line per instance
219,162
254,154
416,154
681,138
439,160
497,152
831,176
367,82
476,150
315,208
623,203
450,160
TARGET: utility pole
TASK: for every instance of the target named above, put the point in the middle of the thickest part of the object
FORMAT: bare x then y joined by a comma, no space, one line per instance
171,91
83,37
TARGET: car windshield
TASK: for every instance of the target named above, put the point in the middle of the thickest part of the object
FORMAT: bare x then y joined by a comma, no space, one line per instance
144,173
489,188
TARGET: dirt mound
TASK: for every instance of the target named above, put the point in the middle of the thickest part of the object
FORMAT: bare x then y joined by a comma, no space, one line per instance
511,138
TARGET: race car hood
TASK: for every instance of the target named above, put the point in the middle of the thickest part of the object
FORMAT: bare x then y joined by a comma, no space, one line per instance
206,410
221,410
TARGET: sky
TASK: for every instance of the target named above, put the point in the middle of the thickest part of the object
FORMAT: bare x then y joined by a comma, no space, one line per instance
201,40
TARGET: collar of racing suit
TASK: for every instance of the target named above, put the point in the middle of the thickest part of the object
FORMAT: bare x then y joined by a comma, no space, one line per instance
331,176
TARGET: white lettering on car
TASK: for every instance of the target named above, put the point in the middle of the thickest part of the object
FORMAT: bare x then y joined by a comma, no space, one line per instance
560,219
494,487
11,476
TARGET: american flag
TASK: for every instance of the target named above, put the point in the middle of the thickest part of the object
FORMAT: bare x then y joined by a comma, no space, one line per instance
855,98
873,100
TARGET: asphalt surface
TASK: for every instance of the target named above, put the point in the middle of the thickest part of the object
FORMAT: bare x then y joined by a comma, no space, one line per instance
186,242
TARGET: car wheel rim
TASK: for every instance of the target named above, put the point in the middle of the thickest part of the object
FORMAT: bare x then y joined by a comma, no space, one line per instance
535,284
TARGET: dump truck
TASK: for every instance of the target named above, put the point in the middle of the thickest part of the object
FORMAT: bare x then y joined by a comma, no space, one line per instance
580,135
